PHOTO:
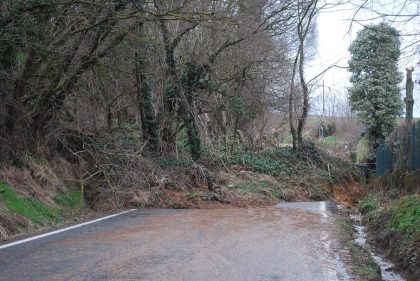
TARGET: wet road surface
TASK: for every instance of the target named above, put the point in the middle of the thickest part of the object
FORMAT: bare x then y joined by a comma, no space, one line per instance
275,243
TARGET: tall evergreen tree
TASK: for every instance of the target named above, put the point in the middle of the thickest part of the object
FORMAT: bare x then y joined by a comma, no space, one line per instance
375,94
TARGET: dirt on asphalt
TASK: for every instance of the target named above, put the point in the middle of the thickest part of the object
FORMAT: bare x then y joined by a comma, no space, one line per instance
268,243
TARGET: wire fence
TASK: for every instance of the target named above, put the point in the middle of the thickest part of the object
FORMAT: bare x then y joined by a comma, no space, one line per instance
403,151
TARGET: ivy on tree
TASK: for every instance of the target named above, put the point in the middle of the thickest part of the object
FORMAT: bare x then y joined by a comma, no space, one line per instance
375,94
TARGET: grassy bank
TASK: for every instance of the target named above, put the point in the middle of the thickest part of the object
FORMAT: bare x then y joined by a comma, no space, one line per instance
306,174
21,213
394,224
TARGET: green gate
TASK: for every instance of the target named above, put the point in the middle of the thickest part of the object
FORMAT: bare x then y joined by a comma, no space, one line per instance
385,155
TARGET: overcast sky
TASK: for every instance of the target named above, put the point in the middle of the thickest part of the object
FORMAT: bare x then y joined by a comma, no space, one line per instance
335,35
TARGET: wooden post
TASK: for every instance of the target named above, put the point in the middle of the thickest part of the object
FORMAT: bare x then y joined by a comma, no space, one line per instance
409,101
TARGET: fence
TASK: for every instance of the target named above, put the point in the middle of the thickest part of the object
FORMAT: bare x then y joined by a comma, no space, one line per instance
406,151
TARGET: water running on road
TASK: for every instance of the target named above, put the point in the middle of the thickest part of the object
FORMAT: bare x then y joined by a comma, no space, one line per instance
336,269
219,244
386,266
326,207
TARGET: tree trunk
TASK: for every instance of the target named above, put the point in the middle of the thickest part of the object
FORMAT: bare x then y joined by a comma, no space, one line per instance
305,99
291,105
145,103
193,75
303,29
193,136
141,91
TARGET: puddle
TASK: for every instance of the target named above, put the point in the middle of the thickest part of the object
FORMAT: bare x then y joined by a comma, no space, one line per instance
385,265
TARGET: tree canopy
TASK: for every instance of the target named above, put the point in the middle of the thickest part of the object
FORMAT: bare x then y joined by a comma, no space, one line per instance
168,68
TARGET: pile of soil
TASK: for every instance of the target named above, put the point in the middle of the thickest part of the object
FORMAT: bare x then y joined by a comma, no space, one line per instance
118,179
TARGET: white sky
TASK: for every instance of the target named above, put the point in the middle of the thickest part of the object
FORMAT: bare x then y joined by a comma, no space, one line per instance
334,41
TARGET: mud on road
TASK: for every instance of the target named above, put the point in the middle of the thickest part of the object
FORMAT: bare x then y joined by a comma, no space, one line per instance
272,243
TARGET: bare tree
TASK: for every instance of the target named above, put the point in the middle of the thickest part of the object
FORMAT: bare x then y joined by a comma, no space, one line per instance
403,14
306,14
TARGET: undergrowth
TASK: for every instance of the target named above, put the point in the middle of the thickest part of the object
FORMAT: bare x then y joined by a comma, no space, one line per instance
306,172
270,162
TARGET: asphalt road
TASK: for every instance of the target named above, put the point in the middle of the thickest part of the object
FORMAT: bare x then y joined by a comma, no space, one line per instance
219,244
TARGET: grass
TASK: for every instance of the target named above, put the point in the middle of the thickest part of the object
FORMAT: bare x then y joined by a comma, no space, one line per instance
368,204
346,229
367,272
362,263
257,186
68,200
404,223
396,226
330,140
29,207
405,216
